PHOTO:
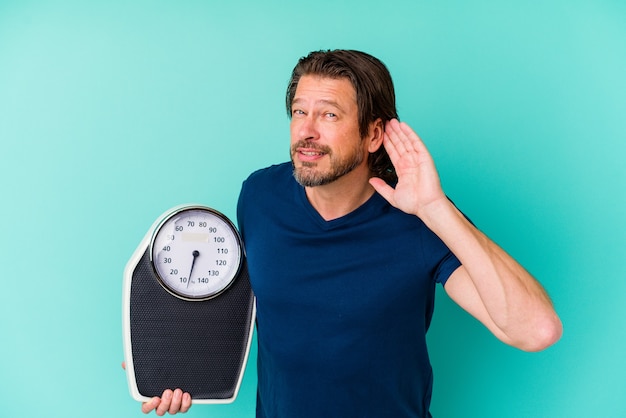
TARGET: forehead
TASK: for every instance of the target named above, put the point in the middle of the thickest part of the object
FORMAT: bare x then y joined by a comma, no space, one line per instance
325,89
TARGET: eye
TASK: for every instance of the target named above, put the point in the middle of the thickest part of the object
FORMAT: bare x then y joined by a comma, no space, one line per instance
331,115
297,112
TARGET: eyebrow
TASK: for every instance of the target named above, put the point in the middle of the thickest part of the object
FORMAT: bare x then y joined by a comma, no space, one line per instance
318,102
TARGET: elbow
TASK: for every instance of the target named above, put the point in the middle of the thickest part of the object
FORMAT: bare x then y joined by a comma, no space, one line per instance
545,334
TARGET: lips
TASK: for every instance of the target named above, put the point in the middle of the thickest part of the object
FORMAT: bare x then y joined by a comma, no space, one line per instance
308,155
307,151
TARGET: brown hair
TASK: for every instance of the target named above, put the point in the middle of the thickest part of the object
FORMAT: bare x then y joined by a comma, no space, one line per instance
375,93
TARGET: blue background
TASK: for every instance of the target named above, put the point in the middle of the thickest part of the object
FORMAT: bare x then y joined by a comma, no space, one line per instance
113,112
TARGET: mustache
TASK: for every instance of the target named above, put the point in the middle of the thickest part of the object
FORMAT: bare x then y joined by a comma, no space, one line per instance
310,145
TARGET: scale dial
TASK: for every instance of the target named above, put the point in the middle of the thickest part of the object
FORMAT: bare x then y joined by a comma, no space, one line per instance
196,253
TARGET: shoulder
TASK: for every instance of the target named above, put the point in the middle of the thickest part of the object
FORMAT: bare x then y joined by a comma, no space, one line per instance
266,193
272,174
266,183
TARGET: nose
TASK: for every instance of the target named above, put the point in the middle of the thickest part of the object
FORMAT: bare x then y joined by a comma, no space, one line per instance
304,128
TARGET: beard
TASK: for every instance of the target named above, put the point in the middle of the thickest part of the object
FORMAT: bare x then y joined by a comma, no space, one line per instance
307,173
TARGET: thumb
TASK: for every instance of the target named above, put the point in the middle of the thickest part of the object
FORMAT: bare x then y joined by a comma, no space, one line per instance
382,188
150,405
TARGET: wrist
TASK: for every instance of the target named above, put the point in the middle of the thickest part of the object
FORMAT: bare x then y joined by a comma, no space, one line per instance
439,213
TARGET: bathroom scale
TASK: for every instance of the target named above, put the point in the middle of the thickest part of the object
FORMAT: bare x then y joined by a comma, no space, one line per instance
188,308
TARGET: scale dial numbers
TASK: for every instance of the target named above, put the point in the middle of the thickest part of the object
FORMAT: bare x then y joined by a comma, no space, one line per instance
196,253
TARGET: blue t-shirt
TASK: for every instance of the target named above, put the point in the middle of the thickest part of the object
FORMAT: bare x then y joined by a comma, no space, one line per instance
343,306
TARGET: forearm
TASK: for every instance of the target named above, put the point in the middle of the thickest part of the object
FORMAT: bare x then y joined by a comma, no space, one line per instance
490,284
515,302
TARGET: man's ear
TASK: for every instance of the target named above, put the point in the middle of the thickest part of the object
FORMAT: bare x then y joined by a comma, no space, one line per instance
375,137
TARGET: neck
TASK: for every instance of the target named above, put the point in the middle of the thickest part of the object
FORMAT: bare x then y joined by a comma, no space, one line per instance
342,196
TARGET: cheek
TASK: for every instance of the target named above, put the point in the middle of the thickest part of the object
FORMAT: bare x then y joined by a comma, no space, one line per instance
292,130
352,142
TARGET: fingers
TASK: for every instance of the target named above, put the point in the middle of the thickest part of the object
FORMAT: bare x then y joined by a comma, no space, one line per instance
170,401
396,142
403,144
395,134
401,129
390,139
166,402
180,402
402,136
186,403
